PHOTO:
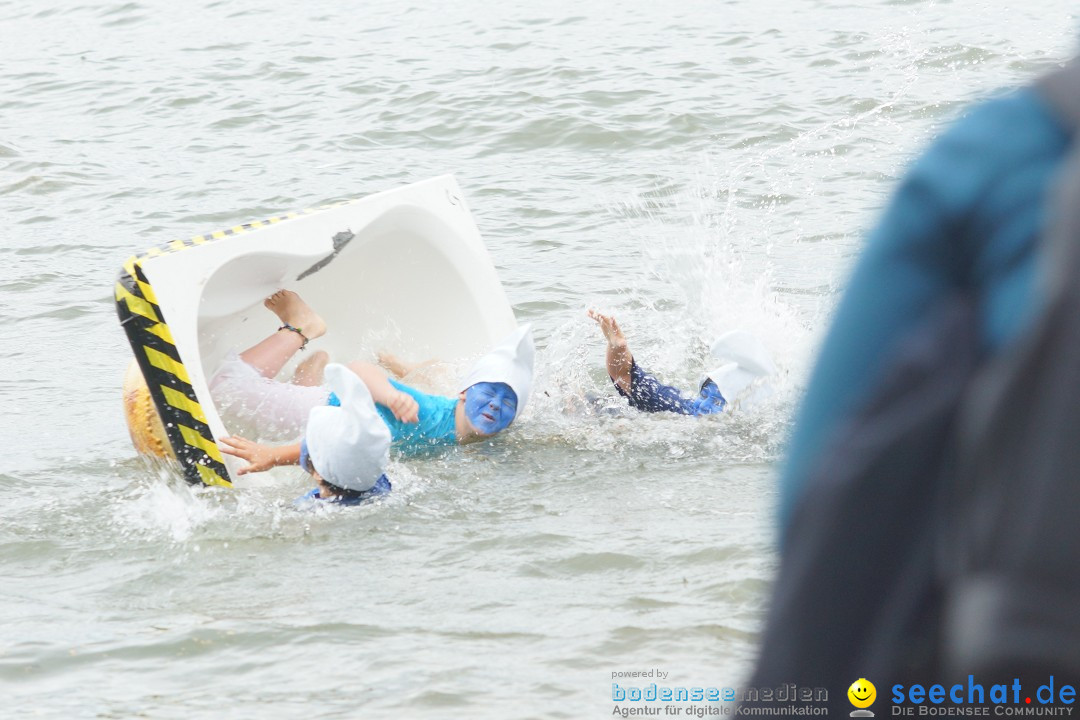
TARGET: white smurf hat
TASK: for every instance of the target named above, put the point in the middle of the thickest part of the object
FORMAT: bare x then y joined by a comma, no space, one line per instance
741,359
511,362
349,445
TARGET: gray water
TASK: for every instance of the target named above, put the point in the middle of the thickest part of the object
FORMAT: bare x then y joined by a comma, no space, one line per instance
691,166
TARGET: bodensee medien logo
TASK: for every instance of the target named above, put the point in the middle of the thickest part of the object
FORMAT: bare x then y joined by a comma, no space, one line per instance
786,699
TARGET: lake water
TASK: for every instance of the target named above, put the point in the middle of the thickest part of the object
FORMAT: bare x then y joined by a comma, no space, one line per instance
691,167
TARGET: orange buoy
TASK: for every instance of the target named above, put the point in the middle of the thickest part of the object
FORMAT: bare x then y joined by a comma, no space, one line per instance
143,421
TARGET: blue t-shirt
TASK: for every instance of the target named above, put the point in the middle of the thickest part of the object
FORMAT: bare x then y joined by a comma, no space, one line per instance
435,427
967,216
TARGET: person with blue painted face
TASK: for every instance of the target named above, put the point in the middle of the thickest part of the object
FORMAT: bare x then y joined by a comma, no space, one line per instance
490,407
742,361
491,397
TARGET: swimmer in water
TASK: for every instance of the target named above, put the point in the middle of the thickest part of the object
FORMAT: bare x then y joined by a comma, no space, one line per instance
491,397
746,360
346,447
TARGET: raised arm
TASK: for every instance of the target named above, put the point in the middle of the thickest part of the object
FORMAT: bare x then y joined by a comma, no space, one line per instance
618,357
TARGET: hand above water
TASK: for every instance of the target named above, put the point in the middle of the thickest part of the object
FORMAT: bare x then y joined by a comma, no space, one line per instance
404,407
260,457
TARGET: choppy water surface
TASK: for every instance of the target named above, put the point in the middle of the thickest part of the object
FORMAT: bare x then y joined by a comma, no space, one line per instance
690,166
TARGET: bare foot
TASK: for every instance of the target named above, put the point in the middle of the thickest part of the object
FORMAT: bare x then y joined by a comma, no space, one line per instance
292,310
612,332
310,372
391,362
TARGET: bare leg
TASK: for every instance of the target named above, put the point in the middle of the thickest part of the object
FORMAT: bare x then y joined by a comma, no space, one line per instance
619,359
270,355
310,372
398,367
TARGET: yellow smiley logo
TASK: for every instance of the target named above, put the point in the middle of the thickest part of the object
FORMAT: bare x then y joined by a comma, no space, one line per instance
862,693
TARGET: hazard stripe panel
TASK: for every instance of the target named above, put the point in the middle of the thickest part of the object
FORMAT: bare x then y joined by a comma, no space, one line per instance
181,402
168,380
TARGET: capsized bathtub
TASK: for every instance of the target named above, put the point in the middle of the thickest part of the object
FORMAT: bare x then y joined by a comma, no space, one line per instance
403,269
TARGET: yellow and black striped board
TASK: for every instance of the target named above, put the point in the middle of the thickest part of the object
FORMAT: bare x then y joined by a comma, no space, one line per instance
156,353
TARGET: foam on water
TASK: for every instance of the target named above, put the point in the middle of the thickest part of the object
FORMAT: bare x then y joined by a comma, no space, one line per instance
163,508
157,505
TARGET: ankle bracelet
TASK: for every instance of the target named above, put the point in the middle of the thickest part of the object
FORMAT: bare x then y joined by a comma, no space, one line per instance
296,330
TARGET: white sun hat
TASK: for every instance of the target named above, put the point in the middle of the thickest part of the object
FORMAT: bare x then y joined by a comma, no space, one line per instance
510,362
349,445
741,359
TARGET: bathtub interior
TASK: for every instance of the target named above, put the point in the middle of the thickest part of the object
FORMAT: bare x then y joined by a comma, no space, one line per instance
414,279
